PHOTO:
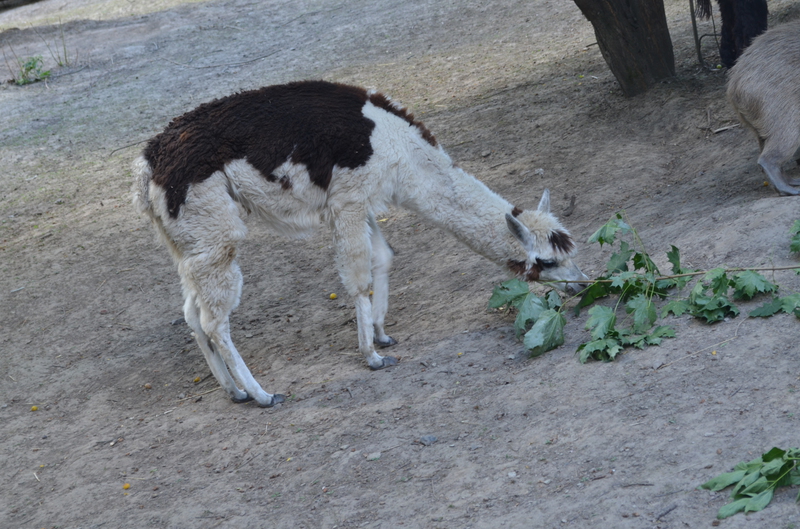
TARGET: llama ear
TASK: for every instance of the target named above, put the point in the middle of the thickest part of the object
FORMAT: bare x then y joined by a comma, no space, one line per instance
520,231
544,203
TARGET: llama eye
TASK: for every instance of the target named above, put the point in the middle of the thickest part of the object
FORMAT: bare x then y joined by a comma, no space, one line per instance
546,264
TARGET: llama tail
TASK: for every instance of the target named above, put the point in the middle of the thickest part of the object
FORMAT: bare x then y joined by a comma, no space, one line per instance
703,8
142,202
143,173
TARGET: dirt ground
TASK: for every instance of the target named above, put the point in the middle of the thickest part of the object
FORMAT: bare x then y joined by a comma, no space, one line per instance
519,95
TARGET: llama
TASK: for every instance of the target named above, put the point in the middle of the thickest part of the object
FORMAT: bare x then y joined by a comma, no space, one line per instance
763,89
742,21
313,152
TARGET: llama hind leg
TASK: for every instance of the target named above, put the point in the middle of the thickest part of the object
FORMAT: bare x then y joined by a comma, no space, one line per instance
217,284
353,259
381,263
215,362
775,152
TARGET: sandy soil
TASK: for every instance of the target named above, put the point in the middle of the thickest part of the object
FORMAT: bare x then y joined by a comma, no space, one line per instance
519,95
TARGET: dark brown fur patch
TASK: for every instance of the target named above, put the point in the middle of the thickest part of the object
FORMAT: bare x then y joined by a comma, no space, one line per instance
516,211
284,181
520,269
561,241
314,123
381,101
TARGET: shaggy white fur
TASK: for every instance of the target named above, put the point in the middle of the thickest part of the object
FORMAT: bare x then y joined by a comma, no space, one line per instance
404,170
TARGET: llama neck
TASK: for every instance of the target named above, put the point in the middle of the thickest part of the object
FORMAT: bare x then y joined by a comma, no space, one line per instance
458,202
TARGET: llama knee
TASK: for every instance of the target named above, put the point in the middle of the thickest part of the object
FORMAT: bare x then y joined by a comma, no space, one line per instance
212,292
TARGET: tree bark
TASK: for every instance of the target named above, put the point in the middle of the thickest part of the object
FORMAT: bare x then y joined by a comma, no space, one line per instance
634,40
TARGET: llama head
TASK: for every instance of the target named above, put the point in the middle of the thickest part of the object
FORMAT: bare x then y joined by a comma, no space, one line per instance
548,247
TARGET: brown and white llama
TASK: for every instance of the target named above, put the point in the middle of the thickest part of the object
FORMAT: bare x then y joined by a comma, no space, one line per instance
316,152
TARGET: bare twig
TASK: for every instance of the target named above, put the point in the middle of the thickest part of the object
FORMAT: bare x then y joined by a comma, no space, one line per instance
723,129
201,394
223,65
691,355
128,145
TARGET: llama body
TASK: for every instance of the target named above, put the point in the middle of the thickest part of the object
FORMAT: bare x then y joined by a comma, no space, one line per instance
312,153
764,89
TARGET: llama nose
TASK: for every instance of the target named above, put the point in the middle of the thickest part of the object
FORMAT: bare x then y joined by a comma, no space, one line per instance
576,288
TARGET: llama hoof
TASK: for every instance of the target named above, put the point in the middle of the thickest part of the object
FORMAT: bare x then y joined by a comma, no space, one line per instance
387,361
240,400
276,399
388,342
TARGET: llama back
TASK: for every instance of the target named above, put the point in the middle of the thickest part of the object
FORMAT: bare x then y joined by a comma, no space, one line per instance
764,89
314,124
764,86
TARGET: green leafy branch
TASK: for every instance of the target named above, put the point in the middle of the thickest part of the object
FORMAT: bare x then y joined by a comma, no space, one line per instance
754,482
637,282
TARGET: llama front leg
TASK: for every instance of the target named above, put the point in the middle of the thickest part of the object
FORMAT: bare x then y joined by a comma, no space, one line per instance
381,264
353,259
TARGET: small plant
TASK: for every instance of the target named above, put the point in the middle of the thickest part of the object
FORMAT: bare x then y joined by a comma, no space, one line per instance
28,70
754,482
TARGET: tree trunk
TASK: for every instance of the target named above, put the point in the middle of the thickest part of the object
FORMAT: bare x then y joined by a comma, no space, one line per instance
634,40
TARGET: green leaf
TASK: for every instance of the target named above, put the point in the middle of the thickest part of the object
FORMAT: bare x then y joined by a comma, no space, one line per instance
603,350
662,331
718,280
749,283
795,233
767,309
723,480
774,454
619,280
732,508
711,308
746,481
592,294
529,311
757,487
750,466
546,334
553,300
511,292
619,261
790,303
644,312
674,257
642,261
601,321
758,502
676,307
608,231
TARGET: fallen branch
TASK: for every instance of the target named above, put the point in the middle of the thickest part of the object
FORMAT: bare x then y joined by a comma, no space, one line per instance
690,274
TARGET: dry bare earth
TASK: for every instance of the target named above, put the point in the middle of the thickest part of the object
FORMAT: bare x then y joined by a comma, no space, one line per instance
87,297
